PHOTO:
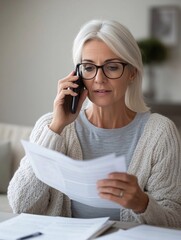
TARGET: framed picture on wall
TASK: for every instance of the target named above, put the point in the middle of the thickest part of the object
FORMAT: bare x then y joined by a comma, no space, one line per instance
165,24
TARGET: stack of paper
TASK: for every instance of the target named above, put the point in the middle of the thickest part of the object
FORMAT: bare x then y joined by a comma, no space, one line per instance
77,179
25,226
144,232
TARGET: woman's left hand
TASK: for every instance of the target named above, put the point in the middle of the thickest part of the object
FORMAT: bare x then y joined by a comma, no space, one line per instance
123,189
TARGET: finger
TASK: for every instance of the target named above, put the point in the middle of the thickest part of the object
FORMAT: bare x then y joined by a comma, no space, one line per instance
114,187
65,82
110,190
71,77
72,73
124,177
66,85
60,98
66,92
68,79
106,183
111,197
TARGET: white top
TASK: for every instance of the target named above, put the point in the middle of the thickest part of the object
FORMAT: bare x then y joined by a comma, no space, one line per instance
96,142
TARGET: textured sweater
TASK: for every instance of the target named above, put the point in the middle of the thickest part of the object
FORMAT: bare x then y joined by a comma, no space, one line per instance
156,162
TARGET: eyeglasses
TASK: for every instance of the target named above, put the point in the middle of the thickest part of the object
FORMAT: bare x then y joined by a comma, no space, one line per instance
111,70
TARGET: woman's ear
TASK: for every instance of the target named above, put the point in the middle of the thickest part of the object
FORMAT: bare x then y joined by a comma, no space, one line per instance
133,74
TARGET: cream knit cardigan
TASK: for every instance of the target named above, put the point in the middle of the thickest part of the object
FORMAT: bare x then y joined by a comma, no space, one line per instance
156,162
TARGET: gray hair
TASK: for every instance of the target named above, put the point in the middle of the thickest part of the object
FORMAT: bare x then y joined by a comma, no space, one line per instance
119,39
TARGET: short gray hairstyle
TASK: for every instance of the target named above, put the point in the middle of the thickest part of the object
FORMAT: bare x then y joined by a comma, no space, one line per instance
119,39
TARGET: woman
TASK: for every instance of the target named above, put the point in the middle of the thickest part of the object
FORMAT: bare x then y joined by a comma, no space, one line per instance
116,120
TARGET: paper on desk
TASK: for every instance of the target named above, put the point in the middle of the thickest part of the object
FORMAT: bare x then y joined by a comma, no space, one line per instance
77,179
144,232
55,228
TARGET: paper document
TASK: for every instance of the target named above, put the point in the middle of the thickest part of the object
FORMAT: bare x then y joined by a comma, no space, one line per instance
145,232
52,228
77,179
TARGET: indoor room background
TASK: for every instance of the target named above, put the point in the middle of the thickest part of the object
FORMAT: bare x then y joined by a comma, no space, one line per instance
36,38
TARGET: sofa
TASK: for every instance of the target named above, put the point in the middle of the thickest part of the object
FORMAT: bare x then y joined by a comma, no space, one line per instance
11,152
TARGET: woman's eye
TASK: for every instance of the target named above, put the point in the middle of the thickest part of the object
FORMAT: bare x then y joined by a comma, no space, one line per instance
112,68
88,68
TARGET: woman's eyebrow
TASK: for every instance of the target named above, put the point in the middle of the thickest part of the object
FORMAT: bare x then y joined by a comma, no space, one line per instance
113,59
107,60
87,60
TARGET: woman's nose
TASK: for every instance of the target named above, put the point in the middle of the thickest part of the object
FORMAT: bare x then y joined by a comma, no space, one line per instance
100,76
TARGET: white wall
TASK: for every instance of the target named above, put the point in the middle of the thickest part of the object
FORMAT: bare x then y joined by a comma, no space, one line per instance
36,39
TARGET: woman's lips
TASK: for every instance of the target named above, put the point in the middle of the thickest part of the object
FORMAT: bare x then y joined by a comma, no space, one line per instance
101,92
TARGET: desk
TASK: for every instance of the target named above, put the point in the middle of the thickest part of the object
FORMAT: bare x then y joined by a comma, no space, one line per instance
118,225
5,216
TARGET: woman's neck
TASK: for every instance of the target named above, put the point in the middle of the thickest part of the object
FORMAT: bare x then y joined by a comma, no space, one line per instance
109,118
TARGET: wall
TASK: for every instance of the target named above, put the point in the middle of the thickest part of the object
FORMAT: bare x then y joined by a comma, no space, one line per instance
36,39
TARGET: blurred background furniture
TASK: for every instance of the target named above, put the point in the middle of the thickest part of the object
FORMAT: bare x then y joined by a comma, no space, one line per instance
170,110
11,152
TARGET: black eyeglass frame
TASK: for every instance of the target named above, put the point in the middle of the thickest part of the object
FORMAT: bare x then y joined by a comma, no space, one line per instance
102,67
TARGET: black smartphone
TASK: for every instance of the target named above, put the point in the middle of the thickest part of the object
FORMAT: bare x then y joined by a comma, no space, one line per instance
75,99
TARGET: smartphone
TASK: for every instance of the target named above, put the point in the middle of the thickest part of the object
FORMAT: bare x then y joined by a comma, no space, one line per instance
75,99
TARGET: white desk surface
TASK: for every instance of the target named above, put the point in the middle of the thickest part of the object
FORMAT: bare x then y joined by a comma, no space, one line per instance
118,225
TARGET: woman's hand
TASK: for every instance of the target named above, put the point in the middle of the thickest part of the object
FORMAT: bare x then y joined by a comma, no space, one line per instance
123,189
61,108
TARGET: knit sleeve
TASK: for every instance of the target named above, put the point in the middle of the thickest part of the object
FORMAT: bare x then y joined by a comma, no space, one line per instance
164,184
43,136
26,193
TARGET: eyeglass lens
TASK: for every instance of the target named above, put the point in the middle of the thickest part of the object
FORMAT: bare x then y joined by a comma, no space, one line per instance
111,70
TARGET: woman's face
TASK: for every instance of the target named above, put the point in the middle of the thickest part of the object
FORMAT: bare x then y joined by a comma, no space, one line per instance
103,91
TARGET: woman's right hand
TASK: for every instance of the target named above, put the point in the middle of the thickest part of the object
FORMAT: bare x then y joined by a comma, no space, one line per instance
61,107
